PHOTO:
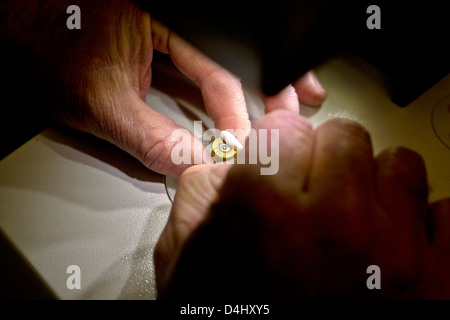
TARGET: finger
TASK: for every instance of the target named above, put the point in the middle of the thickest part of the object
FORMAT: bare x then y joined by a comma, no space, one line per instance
286,99
309,90
402,184
198,188
290,149
439,224
222,91
342,166
152,138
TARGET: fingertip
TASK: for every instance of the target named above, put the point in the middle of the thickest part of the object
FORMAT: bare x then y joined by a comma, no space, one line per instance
169,149
293,128
402,182
283,119
309,90
347,130
402,163
290,148
342,161
286,99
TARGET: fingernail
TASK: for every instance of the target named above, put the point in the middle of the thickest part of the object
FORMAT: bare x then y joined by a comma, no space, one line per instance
231,140
316,83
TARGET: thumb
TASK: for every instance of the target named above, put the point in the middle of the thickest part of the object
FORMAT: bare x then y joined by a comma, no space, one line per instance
198,188
151,137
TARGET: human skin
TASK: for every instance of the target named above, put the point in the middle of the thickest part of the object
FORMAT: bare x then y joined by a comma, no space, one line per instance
98,76
330,187
312,229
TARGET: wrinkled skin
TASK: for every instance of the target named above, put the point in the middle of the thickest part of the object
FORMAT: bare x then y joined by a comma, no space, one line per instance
99,76
312,229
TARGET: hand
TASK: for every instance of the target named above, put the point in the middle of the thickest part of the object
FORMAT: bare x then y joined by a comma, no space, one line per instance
312,229
104,72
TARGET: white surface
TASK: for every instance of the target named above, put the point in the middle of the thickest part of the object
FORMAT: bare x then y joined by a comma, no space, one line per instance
358,94
67,198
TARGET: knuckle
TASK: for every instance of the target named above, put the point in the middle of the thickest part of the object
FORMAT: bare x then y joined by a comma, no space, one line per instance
349,129
157,157
400,157
216,78
285,120
406,168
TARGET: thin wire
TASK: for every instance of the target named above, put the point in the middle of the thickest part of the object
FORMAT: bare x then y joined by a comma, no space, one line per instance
167,190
